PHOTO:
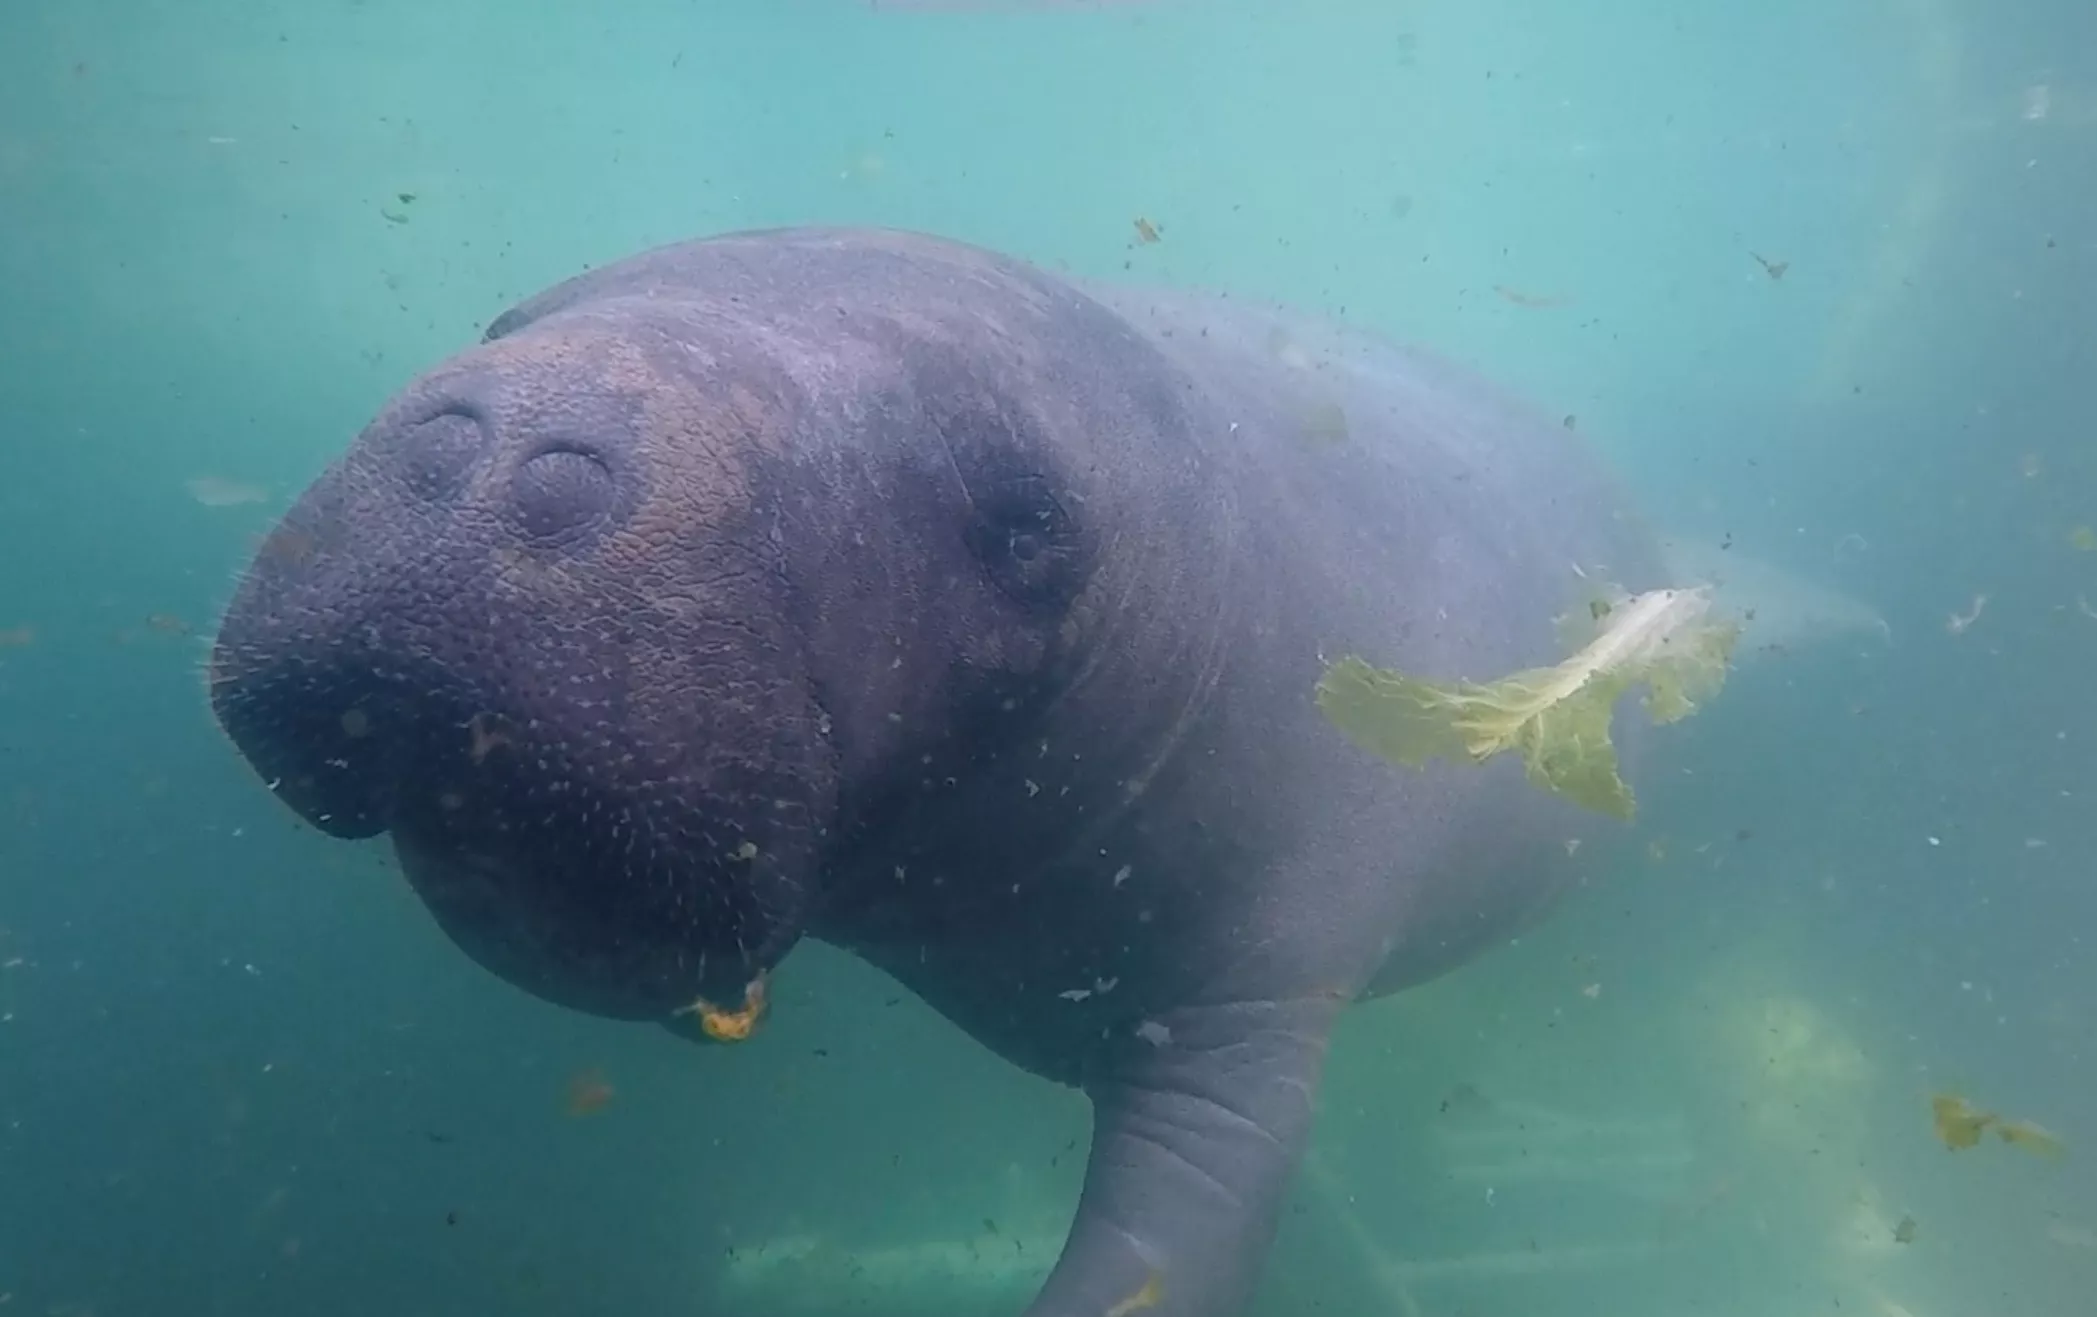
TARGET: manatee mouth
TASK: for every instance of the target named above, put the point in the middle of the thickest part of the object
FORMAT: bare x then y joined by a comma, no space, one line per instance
584,895
567,878
520,925
324,746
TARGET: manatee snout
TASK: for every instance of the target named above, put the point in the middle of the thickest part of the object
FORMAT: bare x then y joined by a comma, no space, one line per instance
605,779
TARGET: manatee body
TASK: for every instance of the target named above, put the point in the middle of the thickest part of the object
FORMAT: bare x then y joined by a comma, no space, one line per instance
870,587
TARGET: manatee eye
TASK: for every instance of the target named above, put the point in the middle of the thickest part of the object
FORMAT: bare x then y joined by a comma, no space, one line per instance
1027,543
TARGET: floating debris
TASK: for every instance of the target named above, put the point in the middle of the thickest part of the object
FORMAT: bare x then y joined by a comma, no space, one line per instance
1152,1293
1559,717
2069,1235
216,492
1958,622
726,1026
589,1093
995,6
1960,1124
1534,301
1465,1097
2032,1138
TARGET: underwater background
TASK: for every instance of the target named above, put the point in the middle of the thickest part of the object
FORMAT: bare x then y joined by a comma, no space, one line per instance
1817,278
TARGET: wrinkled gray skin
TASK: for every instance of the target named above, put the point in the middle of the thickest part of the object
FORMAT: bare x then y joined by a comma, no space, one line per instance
864,586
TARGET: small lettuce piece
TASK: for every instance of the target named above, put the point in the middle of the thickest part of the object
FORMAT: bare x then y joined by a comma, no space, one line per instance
1558,717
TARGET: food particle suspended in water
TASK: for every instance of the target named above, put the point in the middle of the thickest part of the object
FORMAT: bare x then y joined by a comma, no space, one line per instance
218,492
1465,1098
726,1026
1559,717
1960,1124
1534,301
1958,622
2033,1138
589,1093
994,6
1152,1293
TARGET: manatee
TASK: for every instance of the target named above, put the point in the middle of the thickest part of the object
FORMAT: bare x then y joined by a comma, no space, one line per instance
875,588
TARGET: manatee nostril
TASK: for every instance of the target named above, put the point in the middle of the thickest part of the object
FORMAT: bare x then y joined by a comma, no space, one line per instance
440,452
560,491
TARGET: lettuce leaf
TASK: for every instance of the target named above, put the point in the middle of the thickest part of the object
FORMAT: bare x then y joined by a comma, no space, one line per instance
1557,717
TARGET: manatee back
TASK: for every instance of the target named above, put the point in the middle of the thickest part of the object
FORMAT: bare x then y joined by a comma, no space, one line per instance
1404,446
1394,505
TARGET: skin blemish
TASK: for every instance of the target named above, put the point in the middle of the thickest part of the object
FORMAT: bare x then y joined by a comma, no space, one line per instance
487,734
286,546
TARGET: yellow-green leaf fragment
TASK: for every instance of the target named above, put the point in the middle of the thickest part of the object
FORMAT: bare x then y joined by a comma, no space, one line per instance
1558,717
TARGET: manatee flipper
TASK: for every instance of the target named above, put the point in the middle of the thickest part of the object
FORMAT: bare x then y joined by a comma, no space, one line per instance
1195,1134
